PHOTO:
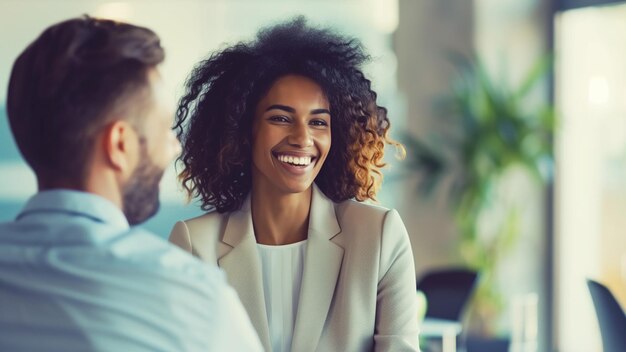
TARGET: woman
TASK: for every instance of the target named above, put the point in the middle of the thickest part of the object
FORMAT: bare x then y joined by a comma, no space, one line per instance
283,138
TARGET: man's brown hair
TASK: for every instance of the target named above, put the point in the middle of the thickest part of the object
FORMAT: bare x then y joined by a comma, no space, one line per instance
66,84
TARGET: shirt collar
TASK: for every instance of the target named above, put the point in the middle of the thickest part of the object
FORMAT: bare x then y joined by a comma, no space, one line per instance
79,203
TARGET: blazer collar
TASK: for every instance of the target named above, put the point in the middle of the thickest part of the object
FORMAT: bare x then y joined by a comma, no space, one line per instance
242,265
321,271
322,220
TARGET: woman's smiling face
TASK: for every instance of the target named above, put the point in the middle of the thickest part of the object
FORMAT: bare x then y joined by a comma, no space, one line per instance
291,135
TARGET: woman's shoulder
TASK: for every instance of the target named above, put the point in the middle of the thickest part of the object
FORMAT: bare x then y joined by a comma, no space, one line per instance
362,217
365,210
366,225
201,235
210,224
210,216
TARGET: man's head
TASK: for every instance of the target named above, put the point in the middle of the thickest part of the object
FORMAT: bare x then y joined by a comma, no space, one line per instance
85,110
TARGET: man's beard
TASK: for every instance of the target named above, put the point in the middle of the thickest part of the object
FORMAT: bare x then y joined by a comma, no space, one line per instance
141,192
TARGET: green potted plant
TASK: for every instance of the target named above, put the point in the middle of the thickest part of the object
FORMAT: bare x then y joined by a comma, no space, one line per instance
487,130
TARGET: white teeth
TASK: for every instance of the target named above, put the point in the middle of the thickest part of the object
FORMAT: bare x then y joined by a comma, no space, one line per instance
304,160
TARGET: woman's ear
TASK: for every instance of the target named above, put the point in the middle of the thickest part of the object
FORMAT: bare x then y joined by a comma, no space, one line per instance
121,147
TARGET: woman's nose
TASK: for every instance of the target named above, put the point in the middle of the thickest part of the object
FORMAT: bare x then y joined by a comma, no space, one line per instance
300,136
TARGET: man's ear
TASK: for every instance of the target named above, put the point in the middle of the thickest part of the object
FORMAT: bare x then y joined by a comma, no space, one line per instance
121,146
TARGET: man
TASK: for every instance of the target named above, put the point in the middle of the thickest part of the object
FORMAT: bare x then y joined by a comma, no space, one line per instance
84,108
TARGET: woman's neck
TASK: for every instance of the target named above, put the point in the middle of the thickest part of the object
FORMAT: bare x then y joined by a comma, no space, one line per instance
280,218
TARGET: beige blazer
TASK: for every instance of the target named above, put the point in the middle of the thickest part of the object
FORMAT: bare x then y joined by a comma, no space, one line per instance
358,286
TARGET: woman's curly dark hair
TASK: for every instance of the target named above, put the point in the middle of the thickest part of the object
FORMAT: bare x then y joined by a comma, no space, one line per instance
214,117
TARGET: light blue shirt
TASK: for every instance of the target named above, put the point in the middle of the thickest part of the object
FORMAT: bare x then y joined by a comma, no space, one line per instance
75,277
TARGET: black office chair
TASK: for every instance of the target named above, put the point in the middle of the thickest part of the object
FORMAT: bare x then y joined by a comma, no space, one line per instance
611,317
447,292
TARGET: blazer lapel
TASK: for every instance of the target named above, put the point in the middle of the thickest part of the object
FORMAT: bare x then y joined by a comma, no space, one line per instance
243,268
321,271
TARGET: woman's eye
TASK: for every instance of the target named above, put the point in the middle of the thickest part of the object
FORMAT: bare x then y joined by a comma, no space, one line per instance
319,123
279,118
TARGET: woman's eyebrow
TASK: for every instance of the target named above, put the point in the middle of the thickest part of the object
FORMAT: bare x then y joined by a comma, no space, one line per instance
281,107
320,111
292,110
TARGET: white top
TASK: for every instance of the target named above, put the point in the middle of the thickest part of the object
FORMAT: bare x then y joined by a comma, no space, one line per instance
282,278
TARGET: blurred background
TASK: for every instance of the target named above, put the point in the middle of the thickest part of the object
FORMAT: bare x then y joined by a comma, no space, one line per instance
513,113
